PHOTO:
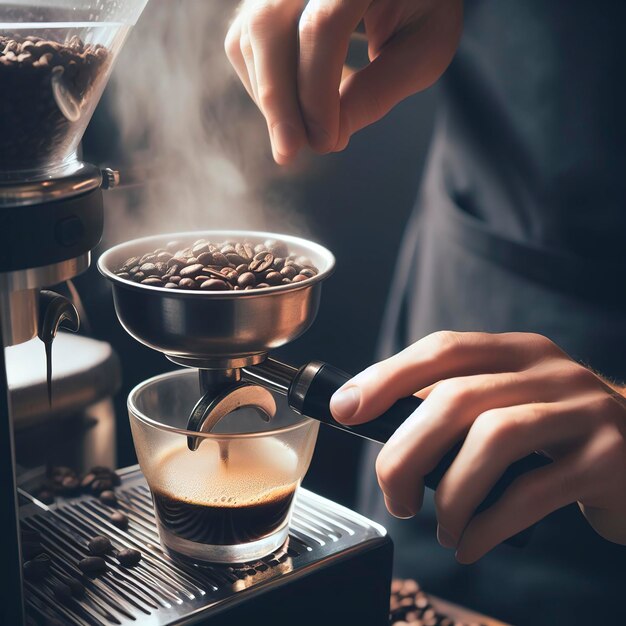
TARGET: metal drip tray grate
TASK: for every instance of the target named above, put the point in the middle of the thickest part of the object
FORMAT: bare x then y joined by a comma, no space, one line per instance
160,590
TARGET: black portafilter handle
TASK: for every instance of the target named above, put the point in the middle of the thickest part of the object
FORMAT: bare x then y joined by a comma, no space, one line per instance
312,388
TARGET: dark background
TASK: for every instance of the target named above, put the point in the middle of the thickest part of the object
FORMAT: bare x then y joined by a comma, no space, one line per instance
356,203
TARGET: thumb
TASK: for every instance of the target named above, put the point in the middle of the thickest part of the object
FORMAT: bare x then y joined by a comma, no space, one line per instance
411,61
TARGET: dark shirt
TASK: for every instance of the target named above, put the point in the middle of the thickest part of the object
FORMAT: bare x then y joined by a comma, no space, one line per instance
521,226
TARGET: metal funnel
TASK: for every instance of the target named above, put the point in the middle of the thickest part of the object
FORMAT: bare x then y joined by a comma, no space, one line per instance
216,330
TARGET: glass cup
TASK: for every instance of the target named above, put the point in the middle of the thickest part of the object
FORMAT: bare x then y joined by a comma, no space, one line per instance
229,501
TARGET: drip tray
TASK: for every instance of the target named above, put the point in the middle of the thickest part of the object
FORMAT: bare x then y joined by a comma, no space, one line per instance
160,590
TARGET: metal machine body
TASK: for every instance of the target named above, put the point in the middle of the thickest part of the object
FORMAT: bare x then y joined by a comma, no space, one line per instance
330,549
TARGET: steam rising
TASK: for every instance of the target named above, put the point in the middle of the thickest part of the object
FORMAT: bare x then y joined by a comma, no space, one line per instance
186,121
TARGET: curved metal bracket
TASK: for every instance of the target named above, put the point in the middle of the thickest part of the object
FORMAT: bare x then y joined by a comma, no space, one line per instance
211,408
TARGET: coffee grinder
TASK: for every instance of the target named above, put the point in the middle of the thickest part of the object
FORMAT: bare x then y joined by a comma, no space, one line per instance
55,60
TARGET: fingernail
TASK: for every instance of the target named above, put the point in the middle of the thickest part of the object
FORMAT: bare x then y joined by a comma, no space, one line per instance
345,402
445,538
286,138
319,138
398,510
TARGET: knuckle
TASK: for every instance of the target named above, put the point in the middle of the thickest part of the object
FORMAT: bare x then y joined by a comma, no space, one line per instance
491,430
446,342
261,17
542,344
317,22
231,44
389,471
579,376
453,392
268,96
443,507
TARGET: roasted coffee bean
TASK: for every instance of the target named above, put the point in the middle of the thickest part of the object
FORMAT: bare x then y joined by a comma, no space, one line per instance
191,271
235,259
206,258
274,278
187,283
128,557
247,279
230,274
199,249
176,260
262,285
261,262
61,591
101,484
259,248
245,251
242,269
119,519
294,265
213,284
92,565
174,279
153,282
76,586
288,271
227,249
161,267
99,545
219,259
38,568
164,257
124,275
298,279
70,485
171,286
108,497
278,264
46,496
308,272
134,260
133,270
149,257
138,277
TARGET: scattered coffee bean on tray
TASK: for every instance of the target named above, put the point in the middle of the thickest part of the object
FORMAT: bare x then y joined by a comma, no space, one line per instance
119,519
128,557
218,266
47,87
92,565
77,587
61,590
108,497
38,568
99,545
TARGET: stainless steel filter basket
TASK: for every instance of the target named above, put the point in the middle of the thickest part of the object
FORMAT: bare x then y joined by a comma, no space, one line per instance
216,330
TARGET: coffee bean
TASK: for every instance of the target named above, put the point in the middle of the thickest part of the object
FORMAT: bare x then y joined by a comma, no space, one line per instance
235,259
278,264
101,484
199,249
230,274
87,480
119,519
298,279
274,278
70,485
244,251
138,277
61,591
174,279
219,259
247,279
171,285
214,284
128,557
308,272
242,269
46,496
152,282
259,248
161,267
38,568
191,271
124,275
108,497
262,285
261,262
99,545
134,260
172,245
288,272
187,283
149,257
133,270
92,565
176,260
206,258
227,249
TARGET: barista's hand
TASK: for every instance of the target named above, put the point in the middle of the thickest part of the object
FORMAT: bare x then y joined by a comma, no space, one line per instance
291,62
509,395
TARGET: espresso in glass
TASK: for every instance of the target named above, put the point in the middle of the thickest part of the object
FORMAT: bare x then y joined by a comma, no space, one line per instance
229,500
225,499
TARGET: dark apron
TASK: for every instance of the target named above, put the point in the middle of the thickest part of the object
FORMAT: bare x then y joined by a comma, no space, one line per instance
453,273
